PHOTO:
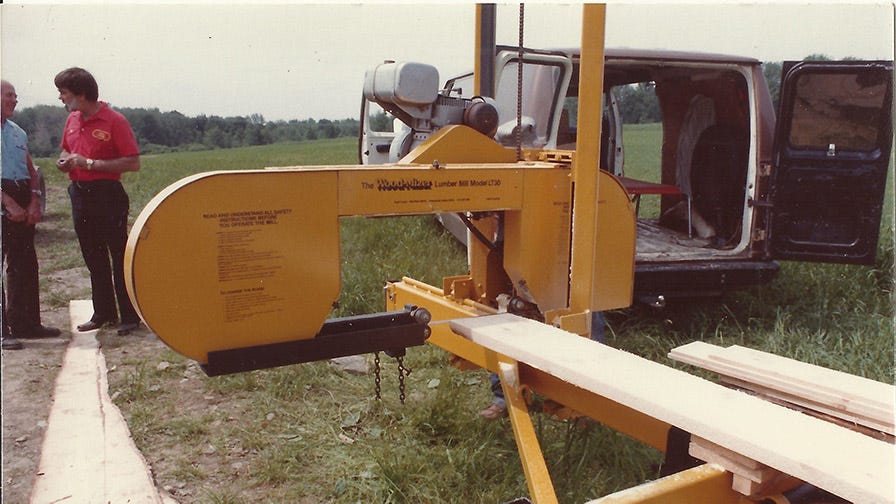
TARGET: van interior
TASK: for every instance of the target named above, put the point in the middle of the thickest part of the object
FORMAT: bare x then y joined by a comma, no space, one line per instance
690,187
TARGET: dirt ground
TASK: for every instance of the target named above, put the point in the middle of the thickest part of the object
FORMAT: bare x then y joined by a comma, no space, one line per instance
29,374
29,377
28,382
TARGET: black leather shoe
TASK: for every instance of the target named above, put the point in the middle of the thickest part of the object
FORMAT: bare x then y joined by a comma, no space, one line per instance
40,332
11,344
91,325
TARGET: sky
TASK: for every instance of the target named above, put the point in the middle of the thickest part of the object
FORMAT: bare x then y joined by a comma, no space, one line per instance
299,60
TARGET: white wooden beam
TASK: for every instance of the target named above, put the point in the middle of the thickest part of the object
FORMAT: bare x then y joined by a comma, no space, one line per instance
842,395
846,463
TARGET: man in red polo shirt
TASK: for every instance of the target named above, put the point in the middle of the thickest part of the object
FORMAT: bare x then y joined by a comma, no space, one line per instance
98,145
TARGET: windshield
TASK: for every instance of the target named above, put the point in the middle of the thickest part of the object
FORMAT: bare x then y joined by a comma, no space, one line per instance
539,94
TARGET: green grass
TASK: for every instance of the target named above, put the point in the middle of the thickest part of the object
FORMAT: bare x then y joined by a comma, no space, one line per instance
643,160
312,433
642,151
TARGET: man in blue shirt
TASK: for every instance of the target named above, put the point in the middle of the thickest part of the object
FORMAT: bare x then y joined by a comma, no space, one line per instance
21,211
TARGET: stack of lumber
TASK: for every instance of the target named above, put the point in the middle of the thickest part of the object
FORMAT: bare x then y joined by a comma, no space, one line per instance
843,396
845,463
750,477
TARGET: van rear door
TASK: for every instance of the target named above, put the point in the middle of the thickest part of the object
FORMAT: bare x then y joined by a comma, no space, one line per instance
832,151
376,135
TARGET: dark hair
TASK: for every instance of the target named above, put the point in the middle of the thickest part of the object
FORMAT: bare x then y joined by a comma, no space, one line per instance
79,82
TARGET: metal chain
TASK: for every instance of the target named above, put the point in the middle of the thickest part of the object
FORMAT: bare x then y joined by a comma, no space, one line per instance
402,372
519,90
376,374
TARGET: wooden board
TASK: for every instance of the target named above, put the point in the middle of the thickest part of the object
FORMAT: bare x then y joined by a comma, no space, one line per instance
88,455
838,460
661,243
842,395
749,477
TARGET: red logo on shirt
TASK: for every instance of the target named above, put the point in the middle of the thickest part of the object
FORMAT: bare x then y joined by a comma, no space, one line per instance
103,136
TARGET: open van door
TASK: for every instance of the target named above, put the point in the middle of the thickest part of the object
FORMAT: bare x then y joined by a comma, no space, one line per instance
832,151
376,135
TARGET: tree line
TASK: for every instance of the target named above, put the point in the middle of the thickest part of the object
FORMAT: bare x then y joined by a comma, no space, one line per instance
159,132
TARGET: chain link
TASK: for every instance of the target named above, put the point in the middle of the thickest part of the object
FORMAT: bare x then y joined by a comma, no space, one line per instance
402,372
376,374
519,90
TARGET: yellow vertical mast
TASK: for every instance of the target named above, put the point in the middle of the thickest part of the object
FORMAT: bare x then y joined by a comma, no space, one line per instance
583,288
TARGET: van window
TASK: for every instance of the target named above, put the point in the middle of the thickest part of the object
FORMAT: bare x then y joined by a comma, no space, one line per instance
837,112
567,131
539,92
378,119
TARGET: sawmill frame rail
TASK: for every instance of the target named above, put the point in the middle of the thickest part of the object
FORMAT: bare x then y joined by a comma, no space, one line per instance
764,448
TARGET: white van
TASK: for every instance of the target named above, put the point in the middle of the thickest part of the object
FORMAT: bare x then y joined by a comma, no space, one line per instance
733,189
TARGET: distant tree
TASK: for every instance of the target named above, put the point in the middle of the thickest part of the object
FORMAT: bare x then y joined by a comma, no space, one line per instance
215,137
179,129
161,131
348,127
255,134
282,131
147,125
158,131
380,122
638,103
772,72
200,123
326,129
44,124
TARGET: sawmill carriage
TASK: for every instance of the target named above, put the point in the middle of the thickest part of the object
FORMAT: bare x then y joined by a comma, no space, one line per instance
551,240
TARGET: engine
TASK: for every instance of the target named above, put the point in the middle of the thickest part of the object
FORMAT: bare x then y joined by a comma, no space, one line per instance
410,92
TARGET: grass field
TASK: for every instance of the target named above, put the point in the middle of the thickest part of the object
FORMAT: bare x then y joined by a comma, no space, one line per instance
313,433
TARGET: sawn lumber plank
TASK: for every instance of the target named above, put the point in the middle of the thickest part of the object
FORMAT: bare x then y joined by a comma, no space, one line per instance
854,398
848,464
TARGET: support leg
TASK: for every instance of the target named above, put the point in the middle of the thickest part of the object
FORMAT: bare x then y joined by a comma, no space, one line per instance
537,477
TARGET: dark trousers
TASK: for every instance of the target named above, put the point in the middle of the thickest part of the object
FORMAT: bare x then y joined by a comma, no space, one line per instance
20,293
100,214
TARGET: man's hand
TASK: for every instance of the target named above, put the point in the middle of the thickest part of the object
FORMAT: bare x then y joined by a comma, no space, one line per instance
34,214
68,162
14,212
64,164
